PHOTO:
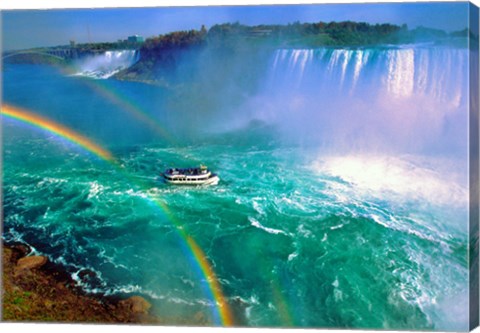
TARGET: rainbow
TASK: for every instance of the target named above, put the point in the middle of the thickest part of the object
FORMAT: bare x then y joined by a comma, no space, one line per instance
222,308
57,129
201,259
128,106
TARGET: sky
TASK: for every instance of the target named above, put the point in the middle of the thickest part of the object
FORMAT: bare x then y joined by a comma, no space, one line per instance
41,27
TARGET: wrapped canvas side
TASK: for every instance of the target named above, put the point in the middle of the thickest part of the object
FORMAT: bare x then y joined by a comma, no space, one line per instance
474,166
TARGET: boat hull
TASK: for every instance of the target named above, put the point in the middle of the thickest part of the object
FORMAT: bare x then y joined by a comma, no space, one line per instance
213,180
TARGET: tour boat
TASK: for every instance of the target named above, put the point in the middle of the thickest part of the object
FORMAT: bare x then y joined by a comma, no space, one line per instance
190,176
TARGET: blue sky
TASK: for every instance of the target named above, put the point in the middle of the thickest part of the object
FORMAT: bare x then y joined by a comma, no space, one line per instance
32,28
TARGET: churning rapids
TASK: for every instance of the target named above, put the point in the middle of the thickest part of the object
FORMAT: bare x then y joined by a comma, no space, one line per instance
343,200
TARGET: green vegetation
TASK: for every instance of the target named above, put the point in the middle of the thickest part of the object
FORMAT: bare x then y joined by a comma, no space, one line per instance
309,34
102,47
161,54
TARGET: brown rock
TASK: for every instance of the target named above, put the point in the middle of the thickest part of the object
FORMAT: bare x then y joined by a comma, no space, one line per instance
136,304
21,250
29,263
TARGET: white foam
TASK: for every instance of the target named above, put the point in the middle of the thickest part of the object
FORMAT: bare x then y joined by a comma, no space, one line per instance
257,206
107,64
257,224
95,189
304,232
292,256
335,227
50,180
396,178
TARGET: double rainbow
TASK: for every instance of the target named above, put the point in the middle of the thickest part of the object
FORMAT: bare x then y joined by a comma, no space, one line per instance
222,310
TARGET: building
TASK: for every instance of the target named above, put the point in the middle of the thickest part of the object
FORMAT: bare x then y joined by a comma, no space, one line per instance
135,39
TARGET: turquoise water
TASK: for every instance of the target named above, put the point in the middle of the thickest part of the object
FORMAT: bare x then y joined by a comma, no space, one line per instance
297,234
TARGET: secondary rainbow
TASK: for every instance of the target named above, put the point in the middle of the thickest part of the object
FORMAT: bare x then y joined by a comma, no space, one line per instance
128,106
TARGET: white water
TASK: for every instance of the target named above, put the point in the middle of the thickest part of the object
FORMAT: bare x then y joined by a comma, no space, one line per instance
410,99
439,182
399,73
107,64
298,220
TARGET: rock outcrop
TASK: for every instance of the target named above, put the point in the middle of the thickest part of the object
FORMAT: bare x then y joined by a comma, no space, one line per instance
136,304
26,264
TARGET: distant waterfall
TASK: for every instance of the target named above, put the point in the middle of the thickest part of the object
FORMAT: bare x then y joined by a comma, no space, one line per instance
400,73
411,97
104,65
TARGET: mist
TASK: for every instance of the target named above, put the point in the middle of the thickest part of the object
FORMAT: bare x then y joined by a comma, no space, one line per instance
408,99
106,64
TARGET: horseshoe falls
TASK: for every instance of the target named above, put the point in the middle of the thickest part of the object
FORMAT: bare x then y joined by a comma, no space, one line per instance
343,199
409,99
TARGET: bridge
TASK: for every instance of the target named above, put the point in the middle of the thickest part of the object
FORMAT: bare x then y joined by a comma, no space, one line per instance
61,54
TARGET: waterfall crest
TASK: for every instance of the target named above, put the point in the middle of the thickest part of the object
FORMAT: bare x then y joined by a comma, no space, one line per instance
104,65
413,98
400,72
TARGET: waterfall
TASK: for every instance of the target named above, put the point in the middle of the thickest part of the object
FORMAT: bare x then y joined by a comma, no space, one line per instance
401,73
411,97
104,65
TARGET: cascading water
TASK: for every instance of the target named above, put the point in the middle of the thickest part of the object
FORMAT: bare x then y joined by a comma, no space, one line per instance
104,65
410,97
363,226
400,72
390,124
